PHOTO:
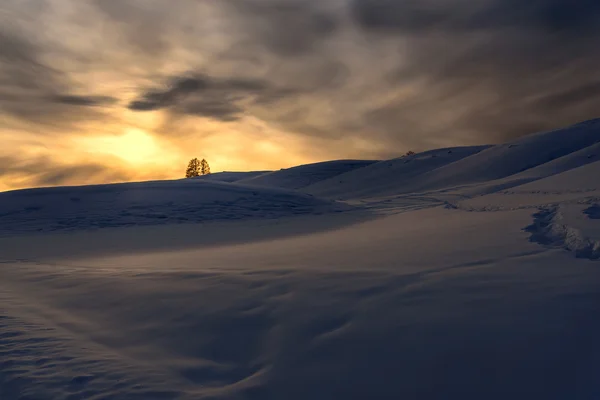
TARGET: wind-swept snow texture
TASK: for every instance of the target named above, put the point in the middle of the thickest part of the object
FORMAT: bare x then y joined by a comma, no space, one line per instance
566,227
485,285
148,203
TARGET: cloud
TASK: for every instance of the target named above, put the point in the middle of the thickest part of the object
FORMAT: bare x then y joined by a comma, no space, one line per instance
206,96
35,92
284,27
45,171
372,77
403,73
143,25
572,96
496,69
456,16
86,101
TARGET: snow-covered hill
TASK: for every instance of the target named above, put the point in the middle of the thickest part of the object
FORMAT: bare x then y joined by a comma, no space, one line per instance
466,273
148,203
492,168
305,175
581,179
391,176
232,176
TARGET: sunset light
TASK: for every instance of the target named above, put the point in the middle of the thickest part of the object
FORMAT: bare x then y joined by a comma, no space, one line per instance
299,199
135,147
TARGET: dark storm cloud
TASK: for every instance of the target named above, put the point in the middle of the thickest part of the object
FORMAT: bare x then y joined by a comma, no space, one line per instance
202,95
418,16
502,68
410,16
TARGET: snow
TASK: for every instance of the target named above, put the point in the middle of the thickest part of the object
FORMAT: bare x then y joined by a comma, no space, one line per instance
389,177
487,168
504,160
305,175
232,176
581,179
484,286
568,226
148,203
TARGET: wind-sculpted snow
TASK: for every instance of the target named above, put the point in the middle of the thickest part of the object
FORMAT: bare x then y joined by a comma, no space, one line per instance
333,315
565,227
593,212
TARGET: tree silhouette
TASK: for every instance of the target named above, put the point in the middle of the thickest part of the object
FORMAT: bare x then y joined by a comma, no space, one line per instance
204,167
193,168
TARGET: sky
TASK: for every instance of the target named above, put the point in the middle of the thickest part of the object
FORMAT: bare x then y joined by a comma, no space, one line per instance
97,91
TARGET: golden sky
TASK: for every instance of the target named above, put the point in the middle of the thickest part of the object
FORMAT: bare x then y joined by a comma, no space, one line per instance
96,91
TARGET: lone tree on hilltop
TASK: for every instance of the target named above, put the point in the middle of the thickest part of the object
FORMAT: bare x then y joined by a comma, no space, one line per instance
196,168
204,167
193,168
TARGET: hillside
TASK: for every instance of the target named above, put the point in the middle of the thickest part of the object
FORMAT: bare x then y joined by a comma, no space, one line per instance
532,157
305,175
389,177
231,177
148,203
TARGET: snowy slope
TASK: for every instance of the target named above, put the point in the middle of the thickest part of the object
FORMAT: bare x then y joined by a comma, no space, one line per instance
430,304
304,175
570,161
532,157
438,292
148,203
231,176
562,164
583,178
391,176
574,189
509,159
565,207
577,185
